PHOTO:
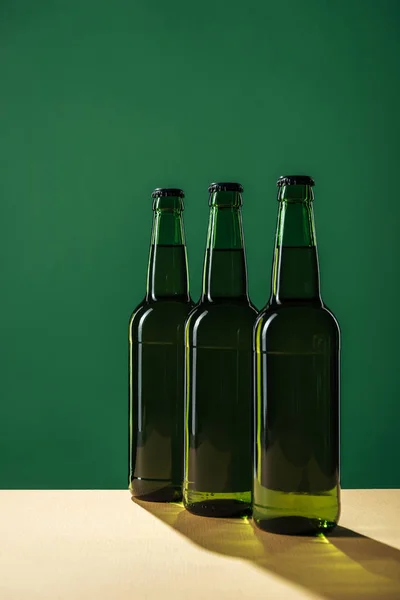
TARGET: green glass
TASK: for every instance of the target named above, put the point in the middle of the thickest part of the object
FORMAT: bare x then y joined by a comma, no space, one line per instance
218,333
156,359
297,345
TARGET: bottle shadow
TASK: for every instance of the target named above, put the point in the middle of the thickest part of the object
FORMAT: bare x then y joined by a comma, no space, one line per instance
347,565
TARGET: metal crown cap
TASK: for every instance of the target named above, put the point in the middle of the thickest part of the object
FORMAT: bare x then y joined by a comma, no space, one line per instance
295,180
165,192
225,187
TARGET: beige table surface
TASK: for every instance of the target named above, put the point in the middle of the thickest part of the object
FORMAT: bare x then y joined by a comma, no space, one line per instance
99,544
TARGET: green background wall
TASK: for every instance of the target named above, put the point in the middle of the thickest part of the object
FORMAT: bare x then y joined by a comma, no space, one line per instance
102,101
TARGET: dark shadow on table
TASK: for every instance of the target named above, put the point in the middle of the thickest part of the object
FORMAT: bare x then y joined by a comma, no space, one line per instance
345,565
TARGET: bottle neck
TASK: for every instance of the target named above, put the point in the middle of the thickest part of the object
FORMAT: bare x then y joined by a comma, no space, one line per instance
295,273
225,272
167,274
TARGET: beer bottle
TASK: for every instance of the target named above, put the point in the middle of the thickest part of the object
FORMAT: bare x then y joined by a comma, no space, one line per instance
156,359
297,345
218,368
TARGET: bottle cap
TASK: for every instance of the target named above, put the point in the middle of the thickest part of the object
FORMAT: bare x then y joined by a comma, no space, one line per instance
167,192
225,187
295,180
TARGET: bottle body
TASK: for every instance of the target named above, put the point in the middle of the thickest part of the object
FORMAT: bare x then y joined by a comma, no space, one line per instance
218,369
218,452
297,386
156,363
156,400
296,487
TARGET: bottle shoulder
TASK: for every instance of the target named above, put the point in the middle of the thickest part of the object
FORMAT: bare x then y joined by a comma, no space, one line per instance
164,314
222,310
285,323
296,311
221,324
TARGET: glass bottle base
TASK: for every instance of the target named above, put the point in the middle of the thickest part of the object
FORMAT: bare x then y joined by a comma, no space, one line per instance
296,513
155,490
206,504
290,525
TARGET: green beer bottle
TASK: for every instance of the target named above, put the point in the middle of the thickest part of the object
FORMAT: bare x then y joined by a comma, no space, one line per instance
297,345
218,406
156,359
